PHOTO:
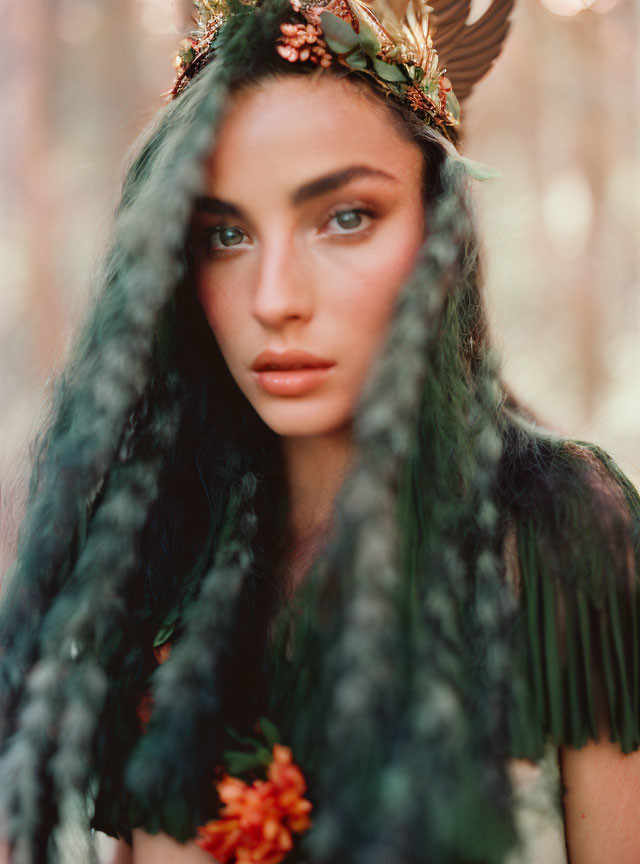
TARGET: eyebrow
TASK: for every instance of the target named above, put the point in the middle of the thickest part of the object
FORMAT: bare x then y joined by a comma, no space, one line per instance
306,192
331,182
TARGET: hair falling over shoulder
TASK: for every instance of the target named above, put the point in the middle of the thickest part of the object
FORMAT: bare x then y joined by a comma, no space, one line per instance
156,485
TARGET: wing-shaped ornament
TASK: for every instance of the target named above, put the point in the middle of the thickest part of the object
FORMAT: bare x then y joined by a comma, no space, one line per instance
467,51
414,29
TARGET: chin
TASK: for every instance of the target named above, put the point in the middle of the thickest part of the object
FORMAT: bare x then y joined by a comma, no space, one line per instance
300,419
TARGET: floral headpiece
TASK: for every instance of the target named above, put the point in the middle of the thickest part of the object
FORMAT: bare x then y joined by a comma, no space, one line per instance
398,52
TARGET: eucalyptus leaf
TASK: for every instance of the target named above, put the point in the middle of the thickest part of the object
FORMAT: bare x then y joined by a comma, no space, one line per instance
337,47
238,763
264,755
388,71
368,39
243,739
338,33
453,106
357,60
269,731
398,89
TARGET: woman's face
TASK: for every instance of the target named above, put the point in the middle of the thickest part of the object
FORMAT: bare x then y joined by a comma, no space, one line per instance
309,225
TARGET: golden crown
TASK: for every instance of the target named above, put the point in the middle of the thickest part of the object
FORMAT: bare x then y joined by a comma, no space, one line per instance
398,51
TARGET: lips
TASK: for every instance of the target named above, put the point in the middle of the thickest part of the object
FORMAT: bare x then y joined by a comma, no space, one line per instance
293,382
289,360
291,373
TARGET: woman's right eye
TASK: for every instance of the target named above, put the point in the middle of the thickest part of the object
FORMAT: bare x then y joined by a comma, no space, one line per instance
222,237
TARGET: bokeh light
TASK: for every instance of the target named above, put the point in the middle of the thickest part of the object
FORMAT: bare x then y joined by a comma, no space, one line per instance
161,16
76,20
572,7
568,209
567,7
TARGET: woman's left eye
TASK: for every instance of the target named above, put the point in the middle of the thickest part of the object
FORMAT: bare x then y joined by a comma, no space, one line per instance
352,220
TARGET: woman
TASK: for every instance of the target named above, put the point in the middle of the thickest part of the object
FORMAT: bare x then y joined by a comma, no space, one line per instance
339,601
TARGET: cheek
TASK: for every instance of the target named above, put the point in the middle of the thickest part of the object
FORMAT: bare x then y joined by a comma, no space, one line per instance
221,311
371,288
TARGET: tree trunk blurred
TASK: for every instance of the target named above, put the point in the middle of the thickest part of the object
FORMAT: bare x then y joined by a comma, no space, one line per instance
37,196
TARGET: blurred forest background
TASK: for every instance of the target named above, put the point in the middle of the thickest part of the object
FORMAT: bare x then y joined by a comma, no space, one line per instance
559,116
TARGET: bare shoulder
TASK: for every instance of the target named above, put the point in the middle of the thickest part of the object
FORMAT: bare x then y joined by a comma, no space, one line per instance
162,849
601,800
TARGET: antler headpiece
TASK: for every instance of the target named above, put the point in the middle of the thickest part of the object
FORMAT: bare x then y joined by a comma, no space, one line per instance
422,56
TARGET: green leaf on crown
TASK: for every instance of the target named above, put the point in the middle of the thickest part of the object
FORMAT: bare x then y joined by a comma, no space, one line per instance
399,89
453,106
431,88
339,35
357,60
388,71
187,57
368,39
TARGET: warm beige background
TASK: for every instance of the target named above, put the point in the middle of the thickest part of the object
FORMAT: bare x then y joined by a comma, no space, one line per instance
559,116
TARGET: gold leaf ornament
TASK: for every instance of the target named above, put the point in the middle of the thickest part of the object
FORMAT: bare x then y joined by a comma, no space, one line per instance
416,27
426,53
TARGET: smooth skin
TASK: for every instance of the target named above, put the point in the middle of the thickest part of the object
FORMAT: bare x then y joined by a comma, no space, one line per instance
312,222
313,219
601,802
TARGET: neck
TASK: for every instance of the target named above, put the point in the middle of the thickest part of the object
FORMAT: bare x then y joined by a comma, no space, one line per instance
314,468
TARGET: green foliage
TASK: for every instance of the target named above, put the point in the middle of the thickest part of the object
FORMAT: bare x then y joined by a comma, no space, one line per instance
388,71
360,50
339,35
269,731
239,763
368,39
453,106
357,60
255,756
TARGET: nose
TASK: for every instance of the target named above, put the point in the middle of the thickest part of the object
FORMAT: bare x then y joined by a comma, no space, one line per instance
282,290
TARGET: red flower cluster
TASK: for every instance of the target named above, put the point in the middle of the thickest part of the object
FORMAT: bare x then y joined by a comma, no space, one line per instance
257,821
305,41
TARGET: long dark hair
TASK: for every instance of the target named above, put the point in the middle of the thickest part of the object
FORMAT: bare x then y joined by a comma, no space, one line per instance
156,488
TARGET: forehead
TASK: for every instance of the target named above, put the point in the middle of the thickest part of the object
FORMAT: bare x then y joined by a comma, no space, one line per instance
286,129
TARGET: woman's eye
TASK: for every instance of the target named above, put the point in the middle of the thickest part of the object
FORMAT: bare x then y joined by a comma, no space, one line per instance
223,237
349,221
